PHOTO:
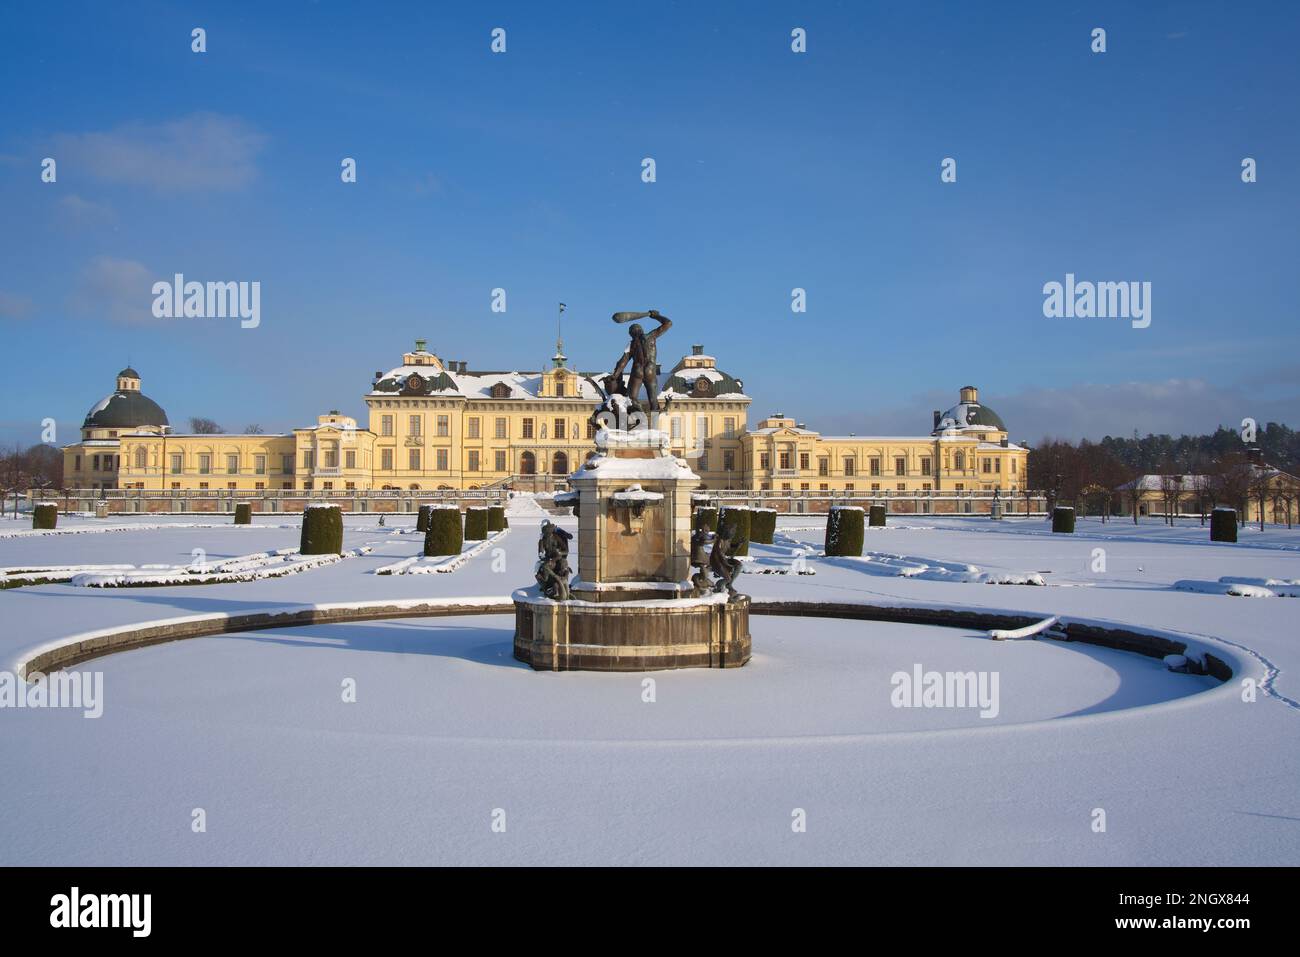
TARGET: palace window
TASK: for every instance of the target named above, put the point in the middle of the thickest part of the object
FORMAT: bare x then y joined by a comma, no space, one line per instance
1013,466
728,461
764,460
988,466
729,427
783,458
232,464
350,459
823,487
848,486
413,459
850,467
959,461
331,458
205,464
875,465
413,425
259,464
925,466
559,388
444,425
176,485
702,426
823,466
141,458
286,463
473,460
76,463
559,464
442,460
901,486
499,461
803,461
591,430
472,427
900,466
527,429
677,427
231,484
385,425
308,460
875,486
203,486
501,428
386,460
561,429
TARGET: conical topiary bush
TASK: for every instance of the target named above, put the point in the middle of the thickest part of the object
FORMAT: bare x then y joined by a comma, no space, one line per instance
762,525
322,530
45,515
844,530
476,523
444,534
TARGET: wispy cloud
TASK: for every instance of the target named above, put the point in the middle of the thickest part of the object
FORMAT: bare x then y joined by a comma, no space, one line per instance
14,307
202,151
119,290
77,212
1088,410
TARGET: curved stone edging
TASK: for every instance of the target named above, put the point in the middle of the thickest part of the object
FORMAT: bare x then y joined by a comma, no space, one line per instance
84,647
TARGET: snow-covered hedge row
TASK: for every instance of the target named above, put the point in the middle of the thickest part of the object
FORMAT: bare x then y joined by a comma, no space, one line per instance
428,564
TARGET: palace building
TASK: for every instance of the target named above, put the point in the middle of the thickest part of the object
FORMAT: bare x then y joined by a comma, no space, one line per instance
437,424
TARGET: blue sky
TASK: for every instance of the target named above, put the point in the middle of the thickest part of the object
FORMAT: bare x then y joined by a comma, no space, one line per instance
774,170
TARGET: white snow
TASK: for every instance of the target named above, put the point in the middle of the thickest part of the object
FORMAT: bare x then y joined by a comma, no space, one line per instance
447,726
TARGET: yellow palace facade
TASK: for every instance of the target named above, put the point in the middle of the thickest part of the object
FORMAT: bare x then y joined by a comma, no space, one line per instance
436,424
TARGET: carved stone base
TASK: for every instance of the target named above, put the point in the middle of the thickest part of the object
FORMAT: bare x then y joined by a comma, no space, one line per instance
705,632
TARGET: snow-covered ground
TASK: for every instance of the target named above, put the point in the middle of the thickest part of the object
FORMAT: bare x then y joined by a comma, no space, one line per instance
447,727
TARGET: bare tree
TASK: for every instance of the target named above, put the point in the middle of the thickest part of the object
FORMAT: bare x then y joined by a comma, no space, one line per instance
253,429
202,426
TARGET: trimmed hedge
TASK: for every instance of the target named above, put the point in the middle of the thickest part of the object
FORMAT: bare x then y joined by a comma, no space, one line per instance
762,525
1063,519
243,514
1223,525
444,534
876,517
45,515
496,518
422,518
844,530
322,530
740,521
476,523
707,516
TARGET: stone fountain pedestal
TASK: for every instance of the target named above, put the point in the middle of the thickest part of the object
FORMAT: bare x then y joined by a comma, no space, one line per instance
631,607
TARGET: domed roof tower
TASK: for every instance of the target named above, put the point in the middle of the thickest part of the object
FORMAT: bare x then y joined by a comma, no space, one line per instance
968,415
125,409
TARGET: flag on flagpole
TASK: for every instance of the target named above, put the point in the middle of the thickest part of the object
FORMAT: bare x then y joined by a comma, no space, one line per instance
563,307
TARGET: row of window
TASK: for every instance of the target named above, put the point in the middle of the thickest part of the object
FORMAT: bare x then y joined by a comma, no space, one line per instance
531,428
988,465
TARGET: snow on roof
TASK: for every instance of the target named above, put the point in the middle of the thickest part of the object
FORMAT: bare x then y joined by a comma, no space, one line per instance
1154,483
478,385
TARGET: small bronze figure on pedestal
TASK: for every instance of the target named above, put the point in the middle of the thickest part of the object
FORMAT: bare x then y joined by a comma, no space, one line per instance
723,561
553,569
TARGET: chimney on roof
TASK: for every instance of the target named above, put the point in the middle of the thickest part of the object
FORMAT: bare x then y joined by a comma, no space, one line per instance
937,415
420,344
969,394
697,349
